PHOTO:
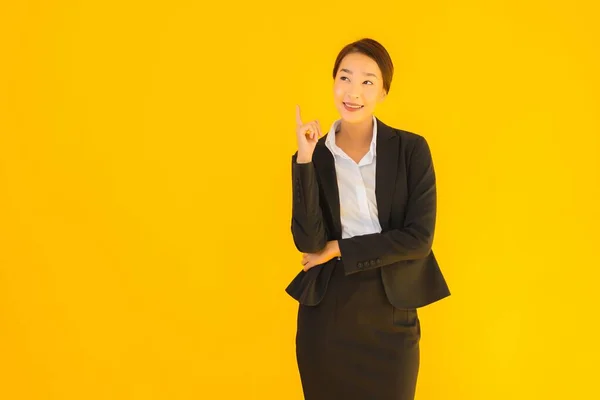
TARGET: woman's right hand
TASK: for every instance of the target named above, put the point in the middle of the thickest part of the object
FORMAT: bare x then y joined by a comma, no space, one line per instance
307,135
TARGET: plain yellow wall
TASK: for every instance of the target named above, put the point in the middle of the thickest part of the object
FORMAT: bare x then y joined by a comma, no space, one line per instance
145,192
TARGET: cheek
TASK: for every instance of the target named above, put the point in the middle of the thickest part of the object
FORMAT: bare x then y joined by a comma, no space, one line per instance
338,91
369,100
371,96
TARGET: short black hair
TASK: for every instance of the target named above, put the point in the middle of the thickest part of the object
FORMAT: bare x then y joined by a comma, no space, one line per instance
373,49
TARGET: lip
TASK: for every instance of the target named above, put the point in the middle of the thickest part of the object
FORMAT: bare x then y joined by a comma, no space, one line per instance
352,109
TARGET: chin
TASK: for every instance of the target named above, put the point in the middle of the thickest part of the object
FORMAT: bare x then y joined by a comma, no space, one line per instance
355,118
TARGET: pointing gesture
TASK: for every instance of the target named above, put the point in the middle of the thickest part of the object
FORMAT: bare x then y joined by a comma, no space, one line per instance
307,135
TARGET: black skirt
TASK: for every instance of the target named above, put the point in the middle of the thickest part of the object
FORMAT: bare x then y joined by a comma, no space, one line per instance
355,345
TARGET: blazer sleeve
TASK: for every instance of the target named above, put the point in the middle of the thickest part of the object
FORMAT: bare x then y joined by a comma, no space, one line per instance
414,240
308,228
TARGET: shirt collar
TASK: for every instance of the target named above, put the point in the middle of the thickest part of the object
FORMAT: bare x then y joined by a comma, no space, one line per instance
330,141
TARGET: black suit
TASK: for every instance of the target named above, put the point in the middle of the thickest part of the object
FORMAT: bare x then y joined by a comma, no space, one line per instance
358,328
406,203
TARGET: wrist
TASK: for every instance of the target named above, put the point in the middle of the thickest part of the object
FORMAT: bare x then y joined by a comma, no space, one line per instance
303,160
334,249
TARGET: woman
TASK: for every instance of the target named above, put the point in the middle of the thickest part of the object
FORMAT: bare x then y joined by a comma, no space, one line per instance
363,214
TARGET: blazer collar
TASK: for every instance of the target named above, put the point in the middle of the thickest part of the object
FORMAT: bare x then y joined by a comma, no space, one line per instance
385,170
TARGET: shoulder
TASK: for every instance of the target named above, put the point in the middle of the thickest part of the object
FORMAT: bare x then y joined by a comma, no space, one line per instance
409,141
409,137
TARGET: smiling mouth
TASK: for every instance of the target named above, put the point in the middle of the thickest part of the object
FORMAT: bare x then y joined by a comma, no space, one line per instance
353,106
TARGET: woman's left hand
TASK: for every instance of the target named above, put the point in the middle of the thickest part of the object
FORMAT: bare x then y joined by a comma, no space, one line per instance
310,260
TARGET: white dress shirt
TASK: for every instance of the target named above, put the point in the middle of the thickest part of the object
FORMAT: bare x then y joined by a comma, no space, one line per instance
356,185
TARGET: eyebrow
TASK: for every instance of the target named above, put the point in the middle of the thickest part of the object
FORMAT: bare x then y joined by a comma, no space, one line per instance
366,73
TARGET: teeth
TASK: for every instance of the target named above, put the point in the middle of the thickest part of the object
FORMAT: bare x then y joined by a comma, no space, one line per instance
352,106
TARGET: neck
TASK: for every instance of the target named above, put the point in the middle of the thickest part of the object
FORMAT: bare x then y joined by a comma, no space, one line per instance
360,133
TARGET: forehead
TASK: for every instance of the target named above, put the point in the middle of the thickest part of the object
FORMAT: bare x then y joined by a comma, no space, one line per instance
360,63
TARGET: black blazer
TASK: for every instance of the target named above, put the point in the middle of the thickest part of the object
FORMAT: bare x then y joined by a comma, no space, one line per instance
406,203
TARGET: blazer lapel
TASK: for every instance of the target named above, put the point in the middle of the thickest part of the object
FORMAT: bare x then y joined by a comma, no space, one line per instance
386,170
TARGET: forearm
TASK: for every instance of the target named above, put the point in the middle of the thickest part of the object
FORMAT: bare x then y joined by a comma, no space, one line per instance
380,249
414,239
308,227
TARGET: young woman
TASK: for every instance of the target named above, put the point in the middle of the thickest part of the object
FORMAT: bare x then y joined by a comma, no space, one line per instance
363,214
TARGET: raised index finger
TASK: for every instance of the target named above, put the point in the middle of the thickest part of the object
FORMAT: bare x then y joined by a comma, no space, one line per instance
298,117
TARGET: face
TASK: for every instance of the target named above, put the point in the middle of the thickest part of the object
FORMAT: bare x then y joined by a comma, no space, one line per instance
358,88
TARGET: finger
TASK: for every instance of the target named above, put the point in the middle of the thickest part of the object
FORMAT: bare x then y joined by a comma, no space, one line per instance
311,130
308,129
298,116
304,128
315,131
319,128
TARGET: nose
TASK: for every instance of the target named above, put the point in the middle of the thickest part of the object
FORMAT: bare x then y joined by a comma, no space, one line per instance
355,91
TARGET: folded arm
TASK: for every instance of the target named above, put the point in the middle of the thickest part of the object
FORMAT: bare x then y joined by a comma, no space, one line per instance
415,239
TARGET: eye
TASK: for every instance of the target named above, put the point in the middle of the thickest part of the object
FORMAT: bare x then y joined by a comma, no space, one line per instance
344,77
370,83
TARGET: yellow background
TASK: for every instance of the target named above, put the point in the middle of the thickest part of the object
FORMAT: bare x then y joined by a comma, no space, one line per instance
145,193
